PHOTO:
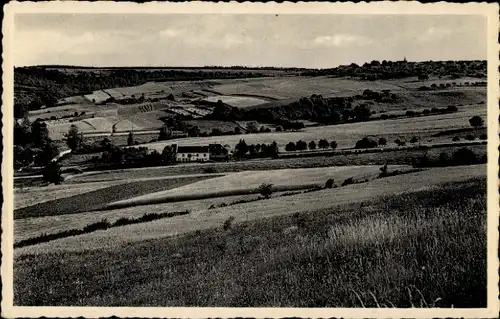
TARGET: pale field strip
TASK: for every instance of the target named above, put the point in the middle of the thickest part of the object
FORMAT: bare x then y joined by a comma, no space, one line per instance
236,101
250,180
346,135
36,226
203,219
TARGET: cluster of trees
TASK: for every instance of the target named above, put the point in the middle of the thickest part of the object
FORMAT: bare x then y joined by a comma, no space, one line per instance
462,156
36,87
242,150
315,108
32,144
435,86
302,146
375,70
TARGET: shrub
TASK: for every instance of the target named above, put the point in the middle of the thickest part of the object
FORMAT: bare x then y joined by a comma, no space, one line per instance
470,137
266,190
414,139
451,108
103,224
382,141
329,183
228,223
209,170
383,170
348,181
476,121
426,111
483,137
455,138
323,144
290,147
464,156
312,145
366,142
52,173
333,145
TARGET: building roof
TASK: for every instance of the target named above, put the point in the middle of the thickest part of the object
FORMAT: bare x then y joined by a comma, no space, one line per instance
192,149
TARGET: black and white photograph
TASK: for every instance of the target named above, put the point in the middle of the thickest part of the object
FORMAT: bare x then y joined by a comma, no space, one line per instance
237,156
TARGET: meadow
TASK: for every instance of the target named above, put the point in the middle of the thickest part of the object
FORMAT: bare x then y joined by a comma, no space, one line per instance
250,181
346,135
399,251
204,218
396,157
92,200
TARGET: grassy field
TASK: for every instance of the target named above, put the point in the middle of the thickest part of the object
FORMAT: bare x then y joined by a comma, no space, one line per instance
416,249
98,198
346,135
276,206
251,180
28,196
394,157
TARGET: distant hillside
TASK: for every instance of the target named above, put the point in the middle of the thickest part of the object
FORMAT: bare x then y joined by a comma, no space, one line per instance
36,87
376,70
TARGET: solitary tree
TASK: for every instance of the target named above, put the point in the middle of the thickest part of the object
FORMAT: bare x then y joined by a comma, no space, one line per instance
323,144
333,145
312,145
290,147
252,127
52,173
241,149
237,130
74,139
301,145
476,121
130,139
266,190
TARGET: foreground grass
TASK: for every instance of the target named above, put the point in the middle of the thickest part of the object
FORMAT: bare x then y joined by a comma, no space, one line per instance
406,250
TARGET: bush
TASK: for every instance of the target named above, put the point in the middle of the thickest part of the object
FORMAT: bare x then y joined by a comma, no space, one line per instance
382,141
329,183
476,121
52,173
348,181
426,111
452,108
470,137
366,142
266,190
464,156
228,223
455,138
414,139
209,170
483,137
290,147
333,145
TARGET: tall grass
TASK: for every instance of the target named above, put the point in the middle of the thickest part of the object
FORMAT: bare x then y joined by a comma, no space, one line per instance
413,250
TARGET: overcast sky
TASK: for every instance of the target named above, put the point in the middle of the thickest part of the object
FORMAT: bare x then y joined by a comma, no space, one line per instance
316,41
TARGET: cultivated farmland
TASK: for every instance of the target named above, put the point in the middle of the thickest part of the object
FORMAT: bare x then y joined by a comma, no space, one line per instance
356,193
346,135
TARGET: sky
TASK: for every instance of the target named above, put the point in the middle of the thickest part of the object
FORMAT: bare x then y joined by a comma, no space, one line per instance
309,41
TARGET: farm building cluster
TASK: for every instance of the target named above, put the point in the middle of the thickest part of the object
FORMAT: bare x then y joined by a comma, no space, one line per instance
202,153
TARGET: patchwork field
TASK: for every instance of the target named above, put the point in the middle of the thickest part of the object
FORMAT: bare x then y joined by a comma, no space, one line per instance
251,180
393,158
428,243
236,101
346,135
98,198
115,237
